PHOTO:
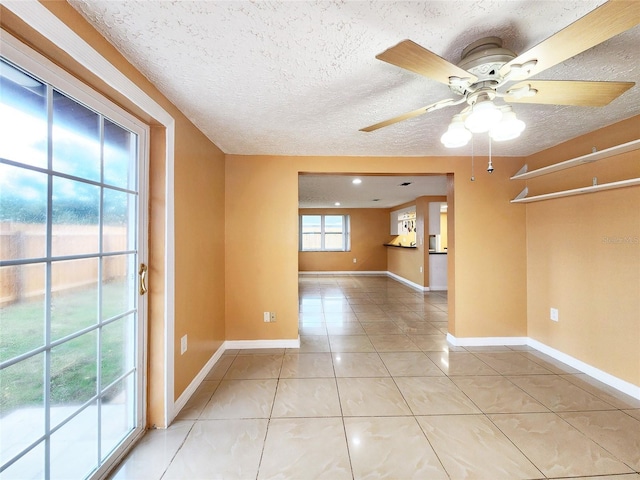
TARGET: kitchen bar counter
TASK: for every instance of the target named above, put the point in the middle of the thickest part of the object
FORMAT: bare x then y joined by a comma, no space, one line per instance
398,246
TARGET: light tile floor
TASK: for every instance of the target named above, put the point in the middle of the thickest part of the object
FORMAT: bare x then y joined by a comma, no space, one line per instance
376,392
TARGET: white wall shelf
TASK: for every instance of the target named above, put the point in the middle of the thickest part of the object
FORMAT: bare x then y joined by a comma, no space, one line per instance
576,191
523,174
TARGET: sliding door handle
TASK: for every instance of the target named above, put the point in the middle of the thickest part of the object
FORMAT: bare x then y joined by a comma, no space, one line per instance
142,276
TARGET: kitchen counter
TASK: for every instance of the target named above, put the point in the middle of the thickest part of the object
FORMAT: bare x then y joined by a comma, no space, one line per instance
398,246
437,253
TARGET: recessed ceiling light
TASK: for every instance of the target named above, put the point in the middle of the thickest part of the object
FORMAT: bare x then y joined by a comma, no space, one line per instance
337,204
356,181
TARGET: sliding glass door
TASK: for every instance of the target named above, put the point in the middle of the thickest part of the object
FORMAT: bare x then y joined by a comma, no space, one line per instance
72,251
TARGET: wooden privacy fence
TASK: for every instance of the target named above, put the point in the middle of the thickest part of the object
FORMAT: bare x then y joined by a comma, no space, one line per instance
25,241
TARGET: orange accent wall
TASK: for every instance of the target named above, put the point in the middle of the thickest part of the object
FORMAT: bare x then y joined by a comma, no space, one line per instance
199,253
369,231
199,215
406,263
262,241
261,245
451,257
583,256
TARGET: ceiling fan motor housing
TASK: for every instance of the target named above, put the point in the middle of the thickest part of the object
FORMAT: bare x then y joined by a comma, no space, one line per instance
483,58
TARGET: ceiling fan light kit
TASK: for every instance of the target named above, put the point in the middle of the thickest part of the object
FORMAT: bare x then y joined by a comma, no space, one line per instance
483,116
456,135
486,68
509,127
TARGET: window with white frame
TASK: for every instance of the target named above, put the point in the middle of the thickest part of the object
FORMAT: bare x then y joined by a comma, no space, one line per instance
324,233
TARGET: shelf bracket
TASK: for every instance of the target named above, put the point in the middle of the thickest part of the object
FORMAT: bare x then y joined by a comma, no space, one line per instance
522,194
522,171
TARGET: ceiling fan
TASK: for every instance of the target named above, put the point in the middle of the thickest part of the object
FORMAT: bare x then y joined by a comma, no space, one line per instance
486,71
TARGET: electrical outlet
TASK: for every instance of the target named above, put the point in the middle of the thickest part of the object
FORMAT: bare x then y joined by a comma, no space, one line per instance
267,317
272,317
553,314
183,345
355,260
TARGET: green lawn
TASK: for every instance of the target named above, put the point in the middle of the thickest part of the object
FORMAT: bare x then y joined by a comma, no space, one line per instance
73,363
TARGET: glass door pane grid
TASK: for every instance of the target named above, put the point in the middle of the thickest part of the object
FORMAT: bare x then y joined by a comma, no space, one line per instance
63,258
51,344
67,176
49,260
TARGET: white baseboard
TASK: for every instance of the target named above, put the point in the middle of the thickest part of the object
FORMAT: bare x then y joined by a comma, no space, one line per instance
380,273
420,288
229,344
485,341
246,344
195,383
345,272
408,282
604,377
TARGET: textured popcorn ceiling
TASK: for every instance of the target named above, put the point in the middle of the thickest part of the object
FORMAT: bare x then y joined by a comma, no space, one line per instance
301,78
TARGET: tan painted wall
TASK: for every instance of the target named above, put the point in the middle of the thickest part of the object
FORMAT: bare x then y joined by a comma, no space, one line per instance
583,257
261,212
443,230
369,231
423,229
199,214
199,252
451,253
406,263
262,268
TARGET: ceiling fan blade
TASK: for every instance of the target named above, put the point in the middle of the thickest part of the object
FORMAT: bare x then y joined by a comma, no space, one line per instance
606,21
391,121
411,56
568,92
415,113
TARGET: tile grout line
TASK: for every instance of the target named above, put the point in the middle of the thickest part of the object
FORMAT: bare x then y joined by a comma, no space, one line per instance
173,457
273,404
475,354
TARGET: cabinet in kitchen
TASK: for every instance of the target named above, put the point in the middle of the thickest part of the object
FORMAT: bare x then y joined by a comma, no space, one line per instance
403,221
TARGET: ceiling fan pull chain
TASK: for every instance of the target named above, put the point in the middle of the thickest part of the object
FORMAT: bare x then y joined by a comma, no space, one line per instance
490,167
473,178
